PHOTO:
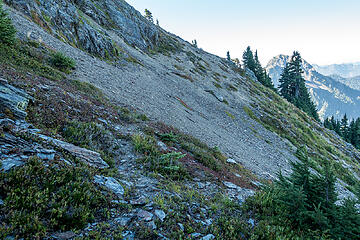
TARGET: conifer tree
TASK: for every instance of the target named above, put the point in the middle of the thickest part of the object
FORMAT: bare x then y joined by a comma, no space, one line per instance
292,86
228,56
344,127
248,59
148,15
7,29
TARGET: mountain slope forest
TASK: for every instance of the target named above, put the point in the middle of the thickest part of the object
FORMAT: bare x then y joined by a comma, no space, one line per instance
113,128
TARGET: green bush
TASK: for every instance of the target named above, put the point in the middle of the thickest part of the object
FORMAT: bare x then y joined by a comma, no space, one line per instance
7,29
62,62
40,198
302,206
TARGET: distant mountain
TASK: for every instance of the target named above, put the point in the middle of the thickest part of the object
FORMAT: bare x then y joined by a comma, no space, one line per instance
346,70
331,96
353,82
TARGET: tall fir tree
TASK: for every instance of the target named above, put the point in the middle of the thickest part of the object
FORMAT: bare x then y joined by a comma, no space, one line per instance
248,59
292,86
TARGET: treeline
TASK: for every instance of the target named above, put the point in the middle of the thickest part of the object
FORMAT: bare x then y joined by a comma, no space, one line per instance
348,130
252,62
292,84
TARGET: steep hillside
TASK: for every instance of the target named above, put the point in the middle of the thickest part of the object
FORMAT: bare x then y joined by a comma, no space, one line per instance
346,70
331,97
154,138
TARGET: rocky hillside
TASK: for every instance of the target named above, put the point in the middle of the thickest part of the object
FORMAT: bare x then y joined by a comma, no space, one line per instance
332,97
148,137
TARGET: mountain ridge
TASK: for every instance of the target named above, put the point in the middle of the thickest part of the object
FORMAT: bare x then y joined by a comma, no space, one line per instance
332,98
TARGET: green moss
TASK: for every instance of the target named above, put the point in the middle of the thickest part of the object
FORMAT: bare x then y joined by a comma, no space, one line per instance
230,115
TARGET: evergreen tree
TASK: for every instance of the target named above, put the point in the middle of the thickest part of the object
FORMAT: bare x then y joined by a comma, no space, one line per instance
7,29
248,59
149,16
350,132
344,127
292,86
228,56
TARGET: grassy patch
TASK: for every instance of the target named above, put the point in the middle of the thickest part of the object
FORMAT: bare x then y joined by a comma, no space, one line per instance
26,58
89,90
250,113
166,164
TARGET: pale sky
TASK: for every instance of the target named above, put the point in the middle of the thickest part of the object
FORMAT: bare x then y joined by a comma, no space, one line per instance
324,31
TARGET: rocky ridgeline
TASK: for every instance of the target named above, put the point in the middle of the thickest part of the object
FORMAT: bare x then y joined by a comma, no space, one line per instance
80,23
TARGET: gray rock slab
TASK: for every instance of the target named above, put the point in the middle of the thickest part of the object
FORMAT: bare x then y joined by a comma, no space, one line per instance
110,183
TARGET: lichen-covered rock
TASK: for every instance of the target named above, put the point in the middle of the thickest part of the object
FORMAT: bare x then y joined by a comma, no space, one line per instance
87,156
13,100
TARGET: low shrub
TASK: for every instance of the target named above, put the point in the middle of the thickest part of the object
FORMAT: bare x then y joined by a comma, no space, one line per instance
42,197
62,62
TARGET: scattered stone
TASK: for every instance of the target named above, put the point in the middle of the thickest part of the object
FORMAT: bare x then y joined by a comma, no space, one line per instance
181,226
128,235
87,156
208,221
200,185
111,184
145,215
162,146
251,222
122,221
230,160
208,237
195,235
152,225
160,214
230,185
64,235
138,202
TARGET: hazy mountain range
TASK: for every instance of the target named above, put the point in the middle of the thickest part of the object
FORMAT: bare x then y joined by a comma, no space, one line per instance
346,70
332,95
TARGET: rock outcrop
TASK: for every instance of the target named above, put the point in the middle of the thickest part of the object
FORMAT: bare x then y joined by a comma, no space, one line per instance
13,101
82,23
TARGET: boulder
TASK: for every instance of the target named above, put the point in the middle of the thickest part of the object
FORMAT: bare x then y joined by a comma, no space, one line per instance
14,100
84,155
